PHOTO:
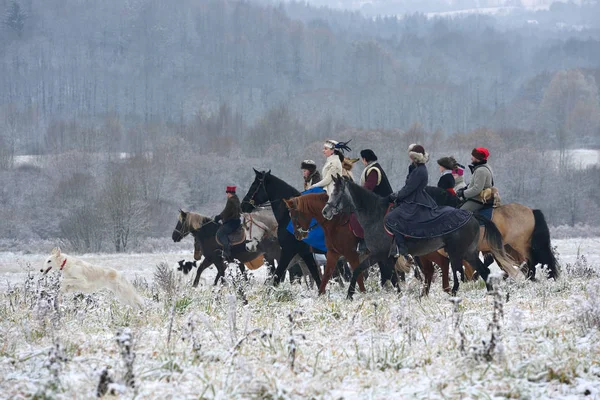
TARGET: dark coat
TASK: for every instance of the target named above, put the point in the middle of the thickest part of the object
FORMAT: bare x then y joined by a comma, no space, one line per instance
446,182
312,179
376,180
417,215
232,210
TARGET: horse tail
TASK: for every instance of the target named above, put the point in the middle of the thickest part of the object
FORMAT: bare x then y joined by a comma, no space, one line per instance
541,249
494,239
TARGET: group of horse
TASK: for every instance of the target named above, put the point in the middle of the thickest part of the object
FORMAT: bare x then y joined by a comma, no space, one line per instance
516,237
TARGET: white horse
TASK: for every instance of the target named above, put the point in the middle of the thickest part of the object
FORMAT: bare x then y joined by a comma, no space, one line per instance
258,224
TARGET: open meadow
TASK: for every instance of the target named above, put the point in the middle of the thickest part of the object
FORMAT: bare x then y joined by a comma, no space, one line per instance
246,339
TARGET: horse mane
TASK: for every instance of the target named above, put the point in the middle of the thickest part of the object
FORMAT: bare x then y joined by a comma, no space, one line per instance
306,202
194,220
365,196
283,184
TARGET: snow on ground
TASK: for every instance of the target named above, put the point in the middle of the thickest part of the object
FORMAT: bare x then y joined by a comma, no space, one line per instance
287,342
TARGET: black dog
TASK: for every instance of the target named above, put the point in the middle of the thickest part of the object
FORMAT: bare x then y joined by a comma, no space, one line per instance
186,266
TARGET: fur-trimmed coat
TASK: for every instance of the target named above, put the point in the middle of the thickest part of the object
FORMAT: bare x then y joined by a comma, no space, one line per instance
332,167
311,179
417,215
374,178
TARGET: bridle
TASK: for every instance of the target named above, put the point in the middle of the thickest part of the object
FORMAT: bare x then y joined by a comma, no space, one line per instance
249,217
261,183
296,223
340,210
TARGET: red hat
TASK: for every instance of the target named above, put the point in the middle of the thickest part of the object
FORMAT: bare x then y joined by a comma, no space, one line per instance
230,189
480,153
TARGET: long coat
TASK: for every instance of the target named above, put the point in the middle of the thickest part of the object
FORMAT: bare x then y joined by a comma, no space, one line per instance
332,167
417,215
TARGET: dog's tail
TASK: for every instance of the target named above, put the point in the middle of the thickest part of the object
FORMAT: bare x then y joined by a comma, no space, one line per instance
125,291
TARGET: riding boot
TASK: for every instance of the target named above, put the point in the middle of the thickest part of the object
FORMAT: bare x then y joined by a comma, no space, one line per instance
403,259
361,248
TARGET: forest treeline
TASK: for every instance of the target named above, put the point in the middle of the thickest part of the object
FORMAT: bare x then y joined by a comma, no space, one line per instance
127,111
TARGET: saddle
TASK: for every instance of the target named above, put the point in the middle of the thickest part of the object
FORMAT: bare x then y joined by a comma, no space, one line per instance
235,238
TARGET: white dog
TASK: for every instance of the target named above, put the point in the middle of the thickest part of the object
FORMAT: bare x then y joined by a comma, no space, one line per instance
81,276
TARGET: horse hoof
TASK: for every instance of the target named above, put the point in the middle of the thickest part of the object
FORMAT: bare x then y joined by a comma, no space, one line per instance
453,293
350,297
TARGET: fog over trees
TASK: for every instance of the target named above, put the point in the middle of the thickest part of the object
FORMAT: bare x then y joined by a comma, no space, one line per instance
114,114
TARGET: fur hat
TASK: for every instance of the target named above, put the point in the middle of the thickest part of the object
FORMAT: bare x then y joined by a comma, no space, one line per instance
368,155
480,153
417,152
348,163
309,165
447,162
230,189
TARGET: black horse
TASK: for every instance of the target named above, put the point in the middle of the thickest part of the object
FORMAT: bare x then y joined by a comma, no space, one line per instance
267,188
371,209
204,230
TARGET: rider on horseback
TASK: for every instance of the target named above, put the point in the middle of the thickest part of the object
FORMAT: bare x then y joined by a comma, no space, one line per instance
416,214
482,178
333,150
373,178
230,218
310,173
447,182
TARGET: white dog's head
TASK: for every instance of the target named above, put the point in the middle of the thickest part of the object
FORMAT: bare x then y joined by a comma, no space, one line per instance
54,261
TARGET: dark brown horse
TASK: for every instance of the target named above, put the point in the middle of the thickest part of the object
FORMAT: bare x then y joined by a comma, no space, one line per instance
339,239
204,230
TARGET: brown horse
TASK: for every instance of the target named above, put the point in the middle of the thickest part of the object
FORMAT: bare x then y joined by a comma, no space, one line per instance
339,239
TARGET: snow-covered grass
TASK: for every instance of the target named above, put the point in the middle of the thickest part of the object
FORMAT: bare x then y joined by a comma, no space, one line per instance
246,339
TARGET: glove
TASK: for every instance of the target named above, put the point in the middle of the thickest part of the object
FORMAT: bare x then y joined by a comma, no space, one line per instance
460,193
217,218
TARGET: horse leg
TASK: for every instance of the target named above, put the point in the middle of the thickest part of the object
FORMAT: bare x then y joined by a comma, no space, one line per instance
357,272
312,266
243,270
205,264
332,259
354,261
221,267
284,261
426,265
456,263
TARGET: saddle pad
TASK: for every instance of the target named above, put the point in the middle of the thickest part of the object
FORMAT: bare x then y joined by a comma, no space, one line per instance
256,263
237,237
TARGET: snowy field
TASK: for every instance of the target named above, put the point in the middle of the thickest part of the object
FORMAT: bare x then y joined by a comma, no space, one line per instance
249,340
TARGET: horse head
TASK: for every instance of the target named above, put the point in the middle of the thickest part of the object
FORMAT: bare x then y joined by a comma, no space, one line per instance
257,194
340,200
300,221
181,228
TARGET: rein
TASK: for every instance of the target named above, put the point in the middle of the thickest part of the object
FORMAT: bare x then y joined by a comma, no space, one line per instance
63,264
184,224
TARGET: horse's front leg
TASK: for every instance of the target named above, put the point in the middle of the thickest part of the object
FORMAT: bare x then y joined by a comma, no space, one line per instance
455,263
205,264
426,266
332,258
354,264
